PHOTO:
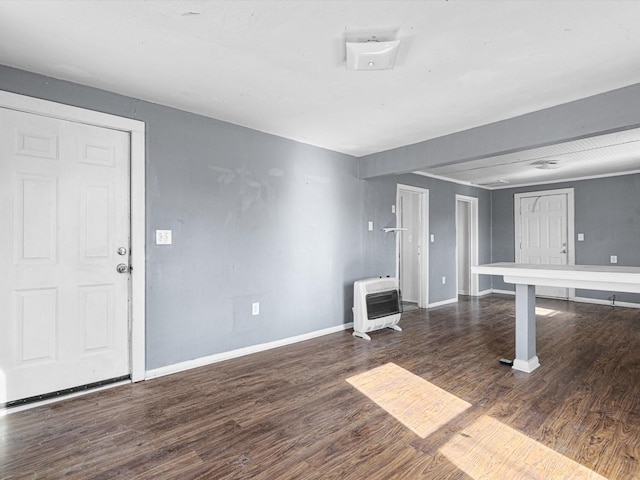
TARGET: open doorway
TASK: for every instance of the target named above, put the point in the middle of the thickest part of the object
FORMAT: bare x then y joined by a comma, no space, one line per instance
412,215
466,244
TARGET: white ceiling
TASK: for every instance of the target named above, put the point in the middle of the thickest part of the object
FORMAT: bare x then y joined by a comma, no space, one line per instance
279,66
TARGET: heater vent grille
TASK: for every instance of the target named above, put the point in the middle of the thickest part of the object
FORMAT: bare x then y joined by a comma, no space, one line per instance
382,304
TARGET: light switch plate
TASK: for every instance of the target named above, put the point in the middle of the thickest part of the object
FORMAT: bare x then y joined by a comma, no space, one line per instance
163,237
581,237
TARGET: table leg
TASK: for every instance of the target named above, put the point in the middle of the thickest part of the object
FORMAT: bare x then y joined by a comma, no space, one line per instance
526,359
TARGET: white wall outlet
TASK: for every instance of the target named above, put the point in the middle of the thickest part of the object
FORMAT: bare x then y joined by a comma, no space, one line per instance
444,280
370,226
393,209
581,237
614,259
255,308
433,238
163,237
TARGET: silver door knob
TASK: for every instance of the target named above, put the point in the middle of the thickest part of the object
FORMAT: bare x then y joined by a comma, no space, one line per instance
122,268
122,251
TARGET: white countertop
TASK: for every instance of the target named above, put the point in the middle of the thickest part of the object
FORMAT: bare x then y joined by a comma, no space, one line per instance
592,277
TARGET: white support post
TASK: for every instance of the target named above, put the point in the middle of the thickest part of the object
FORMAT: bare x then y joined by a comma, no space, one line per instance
526,359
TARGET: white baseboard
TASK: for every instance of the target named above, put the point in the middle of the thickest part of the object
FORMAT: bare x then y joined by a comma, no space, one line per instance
443,302
599,301
596,301
503,292
240,352
485,292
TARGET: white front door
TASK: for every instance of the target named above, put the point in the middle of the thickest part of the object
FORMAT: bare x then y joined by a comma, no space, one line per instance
64,213
543,239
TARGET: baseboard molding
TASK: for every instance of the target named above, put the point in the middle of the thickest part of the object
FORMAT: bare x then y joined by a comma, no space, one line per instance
485,292
596,301
240,352
599,301
443,302
503,292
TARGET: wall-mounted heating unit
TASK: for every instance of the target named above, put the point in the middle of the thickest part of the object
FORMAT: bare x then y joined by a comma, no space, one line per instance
376,305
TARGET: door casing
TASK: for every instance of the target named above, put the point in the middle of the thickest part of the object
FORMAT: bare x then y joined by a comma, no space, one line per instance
136,130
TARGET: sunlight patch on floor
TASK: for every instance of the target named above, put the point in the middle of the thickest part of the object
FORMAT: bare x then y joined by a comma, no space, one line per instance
545,312
490,449
419,405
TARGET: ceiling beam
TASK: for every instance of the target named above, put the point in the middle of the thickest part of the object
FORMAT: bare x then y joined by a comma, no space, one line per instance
604,113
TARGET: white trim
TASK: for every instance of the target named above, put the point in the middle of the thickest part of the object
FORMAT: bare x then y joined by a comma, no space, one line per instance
241,352
596,301
450,180
486,292
564,180
518,185
443,302
571,243
136,130
526,366
423,266
503,292
473,234
599,301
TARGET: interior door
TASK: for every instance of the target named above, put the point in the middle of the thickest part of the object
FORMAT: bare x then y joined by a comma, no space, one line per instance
410,246
543,235
65,198
463,244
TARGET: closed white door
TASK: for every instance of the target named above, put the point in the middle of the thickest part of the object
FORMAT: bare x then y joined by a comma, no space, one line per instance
64,213
543,235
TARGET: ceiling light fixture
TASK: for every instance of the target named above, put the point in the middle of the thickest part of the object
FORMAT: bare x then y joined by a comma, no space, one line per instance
546,164
372,54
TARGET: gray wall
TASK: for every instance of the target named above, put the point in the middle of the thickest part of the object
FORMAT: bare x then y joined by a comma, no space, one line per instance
254,217
260,218
379,247
607,211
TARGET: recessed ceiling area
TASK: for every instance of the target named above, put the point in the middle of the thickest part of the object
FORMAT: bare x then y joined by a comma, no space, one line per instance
280,66
612,154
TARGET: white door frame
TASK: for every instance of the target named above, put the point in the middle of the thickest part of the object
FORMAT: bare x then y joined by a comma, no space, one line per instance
473,240
571,244
423,266
136,130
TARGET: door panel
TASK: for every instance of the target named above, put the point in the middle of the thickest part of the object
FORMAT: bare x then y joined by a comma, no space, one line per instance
410,246
64,191
543,226
463,232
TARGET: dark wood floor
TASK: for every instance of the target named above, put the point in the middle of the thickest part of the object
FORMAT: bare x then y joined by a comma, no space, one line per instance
290,413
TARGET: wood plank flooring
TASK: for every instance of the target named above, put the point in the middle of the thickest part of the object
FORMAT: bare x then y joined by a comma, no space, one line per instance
291,413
